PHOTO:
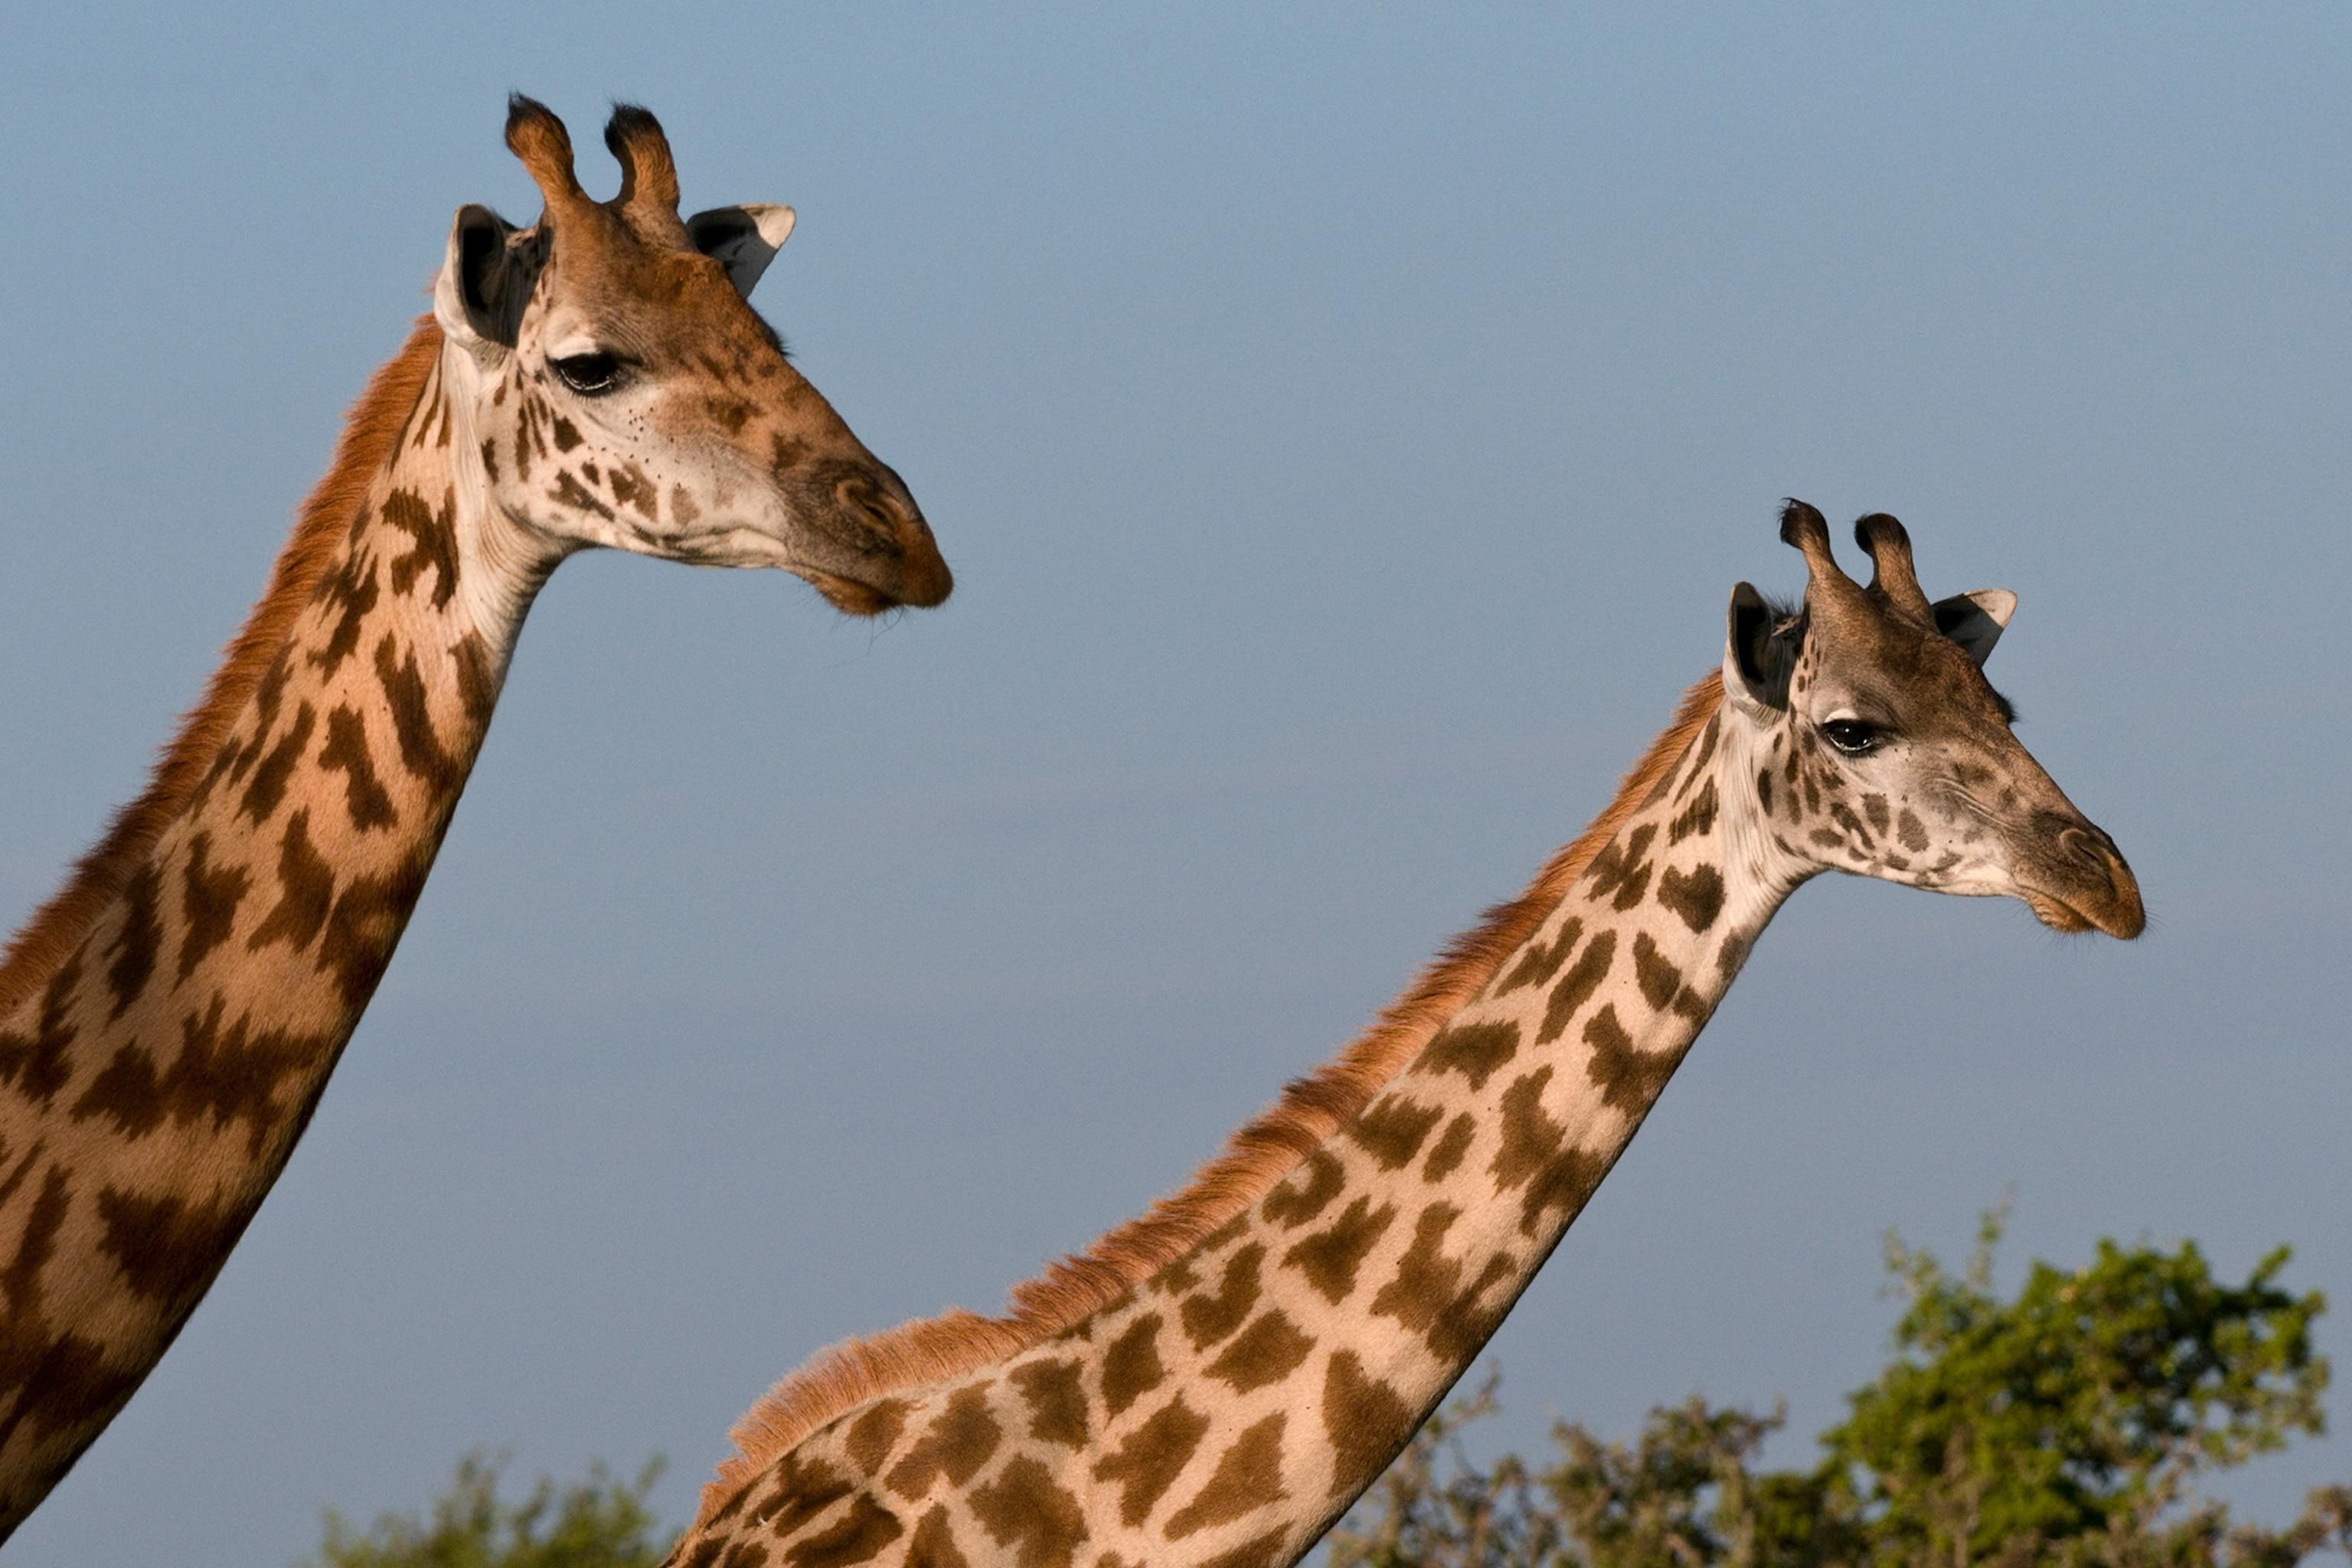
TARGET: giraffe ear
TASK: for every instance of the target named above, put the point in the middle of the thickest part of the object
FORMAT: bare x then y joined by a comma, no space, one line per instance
486,279
1759,652
742,239
1975,619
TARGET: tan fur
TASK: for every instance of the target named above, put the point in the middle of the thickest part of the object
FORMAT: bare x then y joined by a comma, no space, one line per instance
1265,1149
374,425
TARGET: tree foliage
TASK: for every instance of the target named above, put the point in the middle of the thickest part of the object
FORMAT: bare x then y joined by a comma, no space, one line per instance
2069,1425
602,1523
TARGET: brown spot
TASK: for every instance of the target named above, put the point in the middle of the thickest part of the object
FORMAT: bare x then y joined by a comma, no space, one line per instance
1629,1078
346,752
306,891
477,682
1619,868
1576,987
167,1249
225,1073
1698,817
1874,807
1057,1401
729,413
208,901
1764,790
1541,961
1024,1508
1302,1195
632,489
590,472
421,751
1450,1149
682,507
1535,1154
1130,1367
1473,1050
353,590
434,546
1392,1128
267,787
1210,1318
1697,897
858,1536
365,925
1258,1552
1267,1351
573,493
1706,738
1842,815
490,452
1248,1478
1145,1466
959,1441
1367,1422
1331,1257
874,1433
137,941
934,1544
805,1487
1657,974
62,1382
567,434
1425,1278
35,1063
1911,831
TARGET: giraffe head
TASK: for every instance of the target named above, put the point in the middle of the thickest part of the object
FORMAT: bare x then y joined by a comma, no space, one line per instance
1880,749
625,394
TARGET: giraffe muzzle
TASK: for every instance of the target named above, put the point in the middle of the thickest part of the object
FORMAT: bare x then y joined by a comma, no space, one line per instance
2084,882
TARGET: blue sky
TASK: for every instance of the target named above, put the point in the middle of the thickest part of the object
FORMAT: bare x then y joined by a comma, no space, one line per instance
1346,426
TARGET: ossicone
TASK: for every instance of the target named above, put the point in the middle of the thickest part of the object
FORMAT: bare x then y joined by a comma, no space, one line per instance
1892,577
648,195
1803,528
538,137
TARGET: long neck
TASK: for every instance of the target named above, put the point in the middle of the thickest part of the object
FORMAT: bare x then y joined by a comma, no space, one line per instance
1360,1288
1227,1407
167,1024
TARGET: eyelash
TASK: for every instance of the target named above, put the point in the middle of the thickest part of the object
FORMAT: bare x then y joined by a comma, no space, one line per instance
1852,736
589,375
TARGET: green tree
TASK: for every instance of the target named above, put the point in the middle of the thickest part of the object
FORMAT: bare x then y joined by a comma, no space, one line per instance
602,1523
2069,1425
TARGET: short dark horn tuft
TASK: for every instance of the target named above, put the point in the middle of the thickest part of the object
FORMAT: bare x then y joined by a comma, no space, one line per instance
1803,527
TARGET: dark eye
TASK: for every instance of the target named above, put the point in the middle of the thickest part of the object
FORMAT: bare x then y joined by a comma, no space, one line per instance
1850,736
591,375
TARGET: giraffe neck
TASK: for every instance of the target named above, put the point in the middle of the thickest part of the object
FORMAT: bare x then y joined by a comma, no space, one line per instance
156,1070
1226,1408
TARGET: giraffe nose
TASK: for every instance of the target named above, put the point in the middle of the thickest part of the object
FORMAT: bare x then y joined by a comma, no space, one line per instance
2109,896
895,528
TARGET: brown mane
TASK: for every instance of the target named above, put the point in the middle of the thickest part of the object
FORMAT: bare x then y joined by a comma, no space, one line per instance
1260,1155
370,430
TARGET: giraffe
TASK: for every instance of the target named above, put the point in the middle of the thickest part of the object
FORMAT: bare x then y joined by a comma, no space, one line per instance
168,1019
1214,1383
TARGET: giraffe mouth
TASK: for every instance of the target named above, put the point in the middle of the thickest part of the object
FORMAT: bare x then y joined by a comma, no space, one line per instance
2119,915
849,596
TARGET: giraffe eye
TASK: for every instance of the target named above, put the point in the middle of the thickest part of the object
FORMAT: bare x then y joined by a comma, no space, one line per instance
589,375
1852,736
